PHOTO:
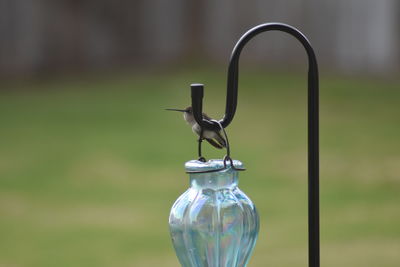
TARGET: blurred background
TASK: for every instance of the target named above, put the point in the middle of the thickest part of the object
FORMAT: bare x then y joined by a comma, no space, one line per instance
90,163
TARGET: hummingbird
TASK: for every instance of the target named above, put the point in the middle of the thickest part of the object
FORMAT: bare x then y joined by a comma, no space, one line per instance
215,138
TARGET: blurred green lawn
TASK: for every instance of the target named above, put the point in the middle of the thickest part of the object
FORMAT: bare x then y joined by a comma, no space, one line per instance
89,168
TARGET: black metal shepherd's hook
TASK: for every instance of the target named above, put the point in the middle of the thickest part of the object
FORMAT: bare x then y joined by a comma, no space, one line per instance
313,133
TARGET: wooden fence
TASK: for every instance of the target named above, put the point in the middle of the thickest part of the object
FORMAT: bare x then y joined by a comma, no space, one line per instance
351,36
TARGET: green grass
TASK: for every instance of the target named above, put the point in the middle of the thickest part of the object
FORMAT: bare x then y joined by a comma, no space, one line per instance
90,168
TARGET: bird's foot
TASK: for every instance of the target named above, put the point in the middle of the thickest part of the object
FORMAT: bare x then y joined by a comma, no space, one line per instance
202,159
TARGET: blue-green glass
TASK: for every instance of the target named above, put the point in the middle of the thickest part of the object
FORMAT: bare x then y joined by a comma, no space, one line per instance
213,224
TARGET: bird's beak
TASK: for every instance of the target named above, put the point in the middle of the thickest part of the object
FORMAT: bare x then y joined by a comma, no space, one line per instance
174,109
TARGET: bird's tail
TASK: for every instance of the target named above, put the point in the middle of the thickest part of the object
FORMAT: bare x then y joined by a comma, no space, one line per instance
214,143
220,139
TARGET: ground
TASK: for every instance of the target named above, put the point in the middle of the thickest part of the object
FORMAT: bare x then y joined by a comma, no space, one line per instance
90,167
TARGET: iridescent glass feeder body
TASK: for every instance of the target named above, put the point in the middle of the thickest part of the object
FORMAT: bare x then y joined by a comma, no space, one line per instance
213,224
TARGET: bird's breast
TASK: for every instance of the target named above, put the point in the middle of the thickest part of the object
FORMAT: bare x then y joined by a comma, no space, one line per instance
196,128
206,133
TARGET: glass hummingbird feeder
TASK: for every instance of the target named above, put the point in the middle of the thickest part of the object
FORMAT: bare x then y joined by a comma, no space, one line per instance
213,223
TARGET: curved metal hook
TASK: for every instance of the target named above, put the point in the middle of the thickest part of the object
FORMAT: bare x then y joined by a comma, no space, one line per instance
233,72
313,124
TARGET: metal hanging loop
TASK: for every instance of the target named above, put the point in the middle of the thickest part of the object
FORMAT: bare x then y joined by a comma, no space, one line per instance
313,120
227,157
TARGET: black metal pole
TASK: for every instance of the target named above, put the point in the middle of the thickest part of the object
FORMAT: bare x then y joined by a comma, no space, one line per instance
313,120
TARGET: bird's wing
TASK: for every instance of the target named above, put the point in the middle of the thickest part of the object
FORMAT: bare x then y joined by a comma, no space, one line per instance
214,143
220,139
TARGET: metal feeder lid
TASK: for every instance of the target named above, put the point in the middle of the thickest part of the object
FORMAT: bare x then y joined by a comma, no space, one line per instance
210,165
